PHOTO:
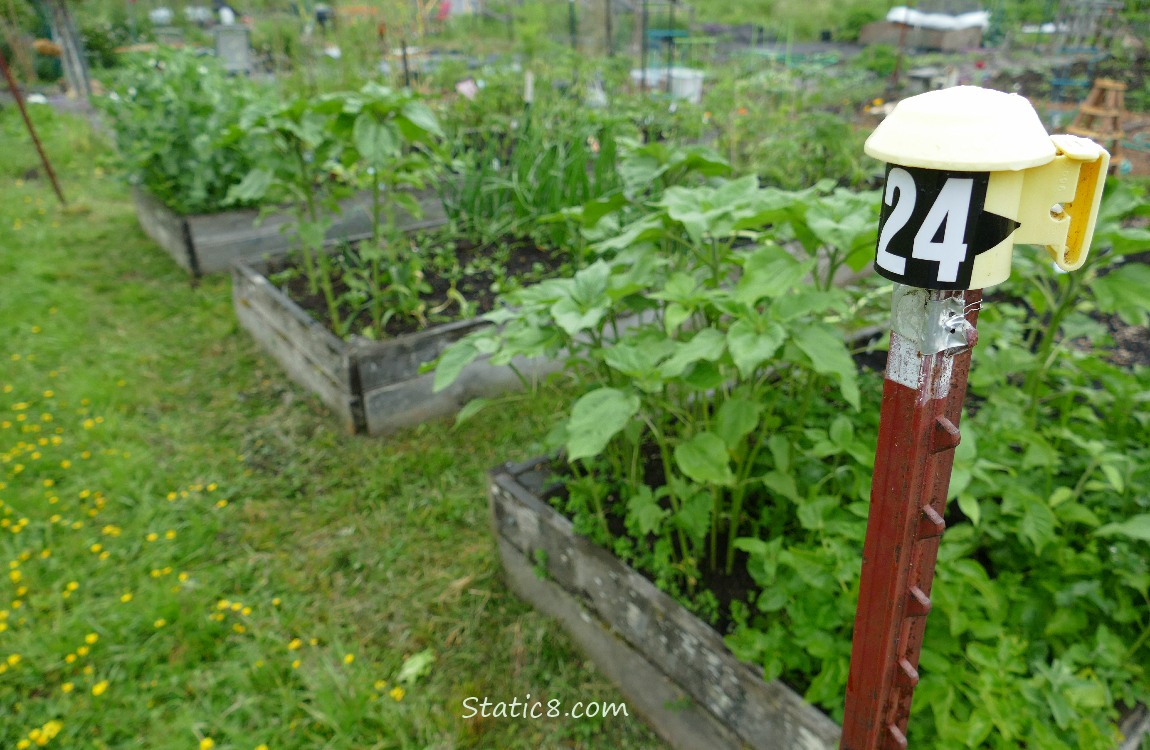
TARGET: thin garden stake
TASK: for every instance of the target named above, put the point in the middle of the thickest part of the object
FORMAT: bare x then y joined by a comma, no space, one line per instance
406,69
970,173
31,130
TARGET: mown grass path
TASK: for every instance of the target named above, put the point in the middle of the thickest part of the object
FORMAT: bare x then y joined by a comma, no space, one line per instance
193,557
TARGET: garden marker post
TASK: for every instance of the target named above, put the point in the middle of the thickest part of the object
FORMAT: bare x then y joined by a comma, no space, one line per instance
971,172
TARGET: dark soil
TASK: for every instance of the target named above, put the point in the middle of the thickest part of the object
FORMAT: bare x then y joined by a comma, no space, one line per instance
479,271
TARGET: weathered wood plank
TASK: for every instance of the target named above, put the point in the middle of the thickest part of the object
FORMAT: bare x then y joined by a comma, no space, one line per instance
166,228
309,354
649,692
210,243
383,363
765,716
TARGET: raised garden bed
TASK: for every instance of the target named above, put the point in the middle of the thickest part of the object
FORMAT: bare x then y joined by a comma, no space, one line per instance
210,243
673,667
372,387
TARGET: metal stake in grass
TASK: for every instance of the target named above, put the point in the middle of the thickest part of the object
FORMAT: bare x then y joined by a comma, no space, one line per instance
31,130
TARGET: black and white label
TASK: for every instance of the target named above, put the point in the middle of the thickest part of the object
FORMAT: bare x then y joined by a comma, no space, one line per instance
933,225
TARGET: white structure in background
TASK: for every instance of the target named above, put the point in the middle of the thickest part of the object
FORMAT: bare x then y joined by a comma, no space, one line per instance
161,16
979,19
938,31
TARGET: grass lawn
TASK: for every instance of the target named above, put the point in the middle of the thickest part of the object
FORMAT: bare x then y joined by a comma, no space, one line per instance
194,557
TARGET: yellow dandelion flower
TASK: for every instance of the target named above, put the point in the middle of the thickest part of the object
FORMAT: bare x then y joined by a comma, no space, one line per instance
261,747
152,537
160,623
65,464
67,687
348,658
88,669
313,641
172,496
91,638
13,659
182,577
294,644
212,487
105,554
83,651
397,693
239,628
295,664
99,688
15,575
276,601
207,743
23,744
223,604
70,658
86,455
45,553
221,503
246,611
95,548
380,684
72,585
170,534
236,606
126,597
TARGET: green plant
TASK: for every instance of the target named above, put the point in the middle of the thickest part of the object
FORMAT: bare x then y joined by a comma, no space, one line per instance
707,434
315,150
677,366
174,115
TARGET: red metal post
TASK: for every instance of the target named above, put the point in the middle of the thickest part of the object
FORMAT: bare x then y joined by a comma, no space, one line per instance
31,130
932,333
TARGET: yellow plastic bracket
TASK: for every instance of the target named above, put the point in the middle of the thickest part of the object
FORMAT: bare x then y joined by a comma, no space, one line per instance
1060,200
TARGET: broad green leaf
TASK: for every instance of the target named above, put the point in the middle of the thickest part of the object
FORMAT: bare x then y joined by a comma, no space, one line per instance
694,516
422,118
1038,522
252,188
376,141
458,355
1135,527
573,318
707,344
704,459
1123,291
596,418
769,272
968,504
841,431
829,356
416,666
735,419
750,348
781,483
674,316
644,514
471,408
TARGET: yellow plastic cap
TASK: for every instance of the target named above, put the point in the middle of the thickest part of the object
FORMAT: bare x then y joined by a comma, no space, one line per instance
965,128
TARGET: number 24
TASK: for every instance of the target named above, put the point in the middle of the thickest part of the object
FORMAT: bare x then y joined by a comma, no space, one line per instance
952,206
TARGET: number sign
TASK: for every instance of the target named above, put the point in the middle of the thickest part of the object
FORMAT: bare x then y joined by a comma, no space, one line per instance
933,225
